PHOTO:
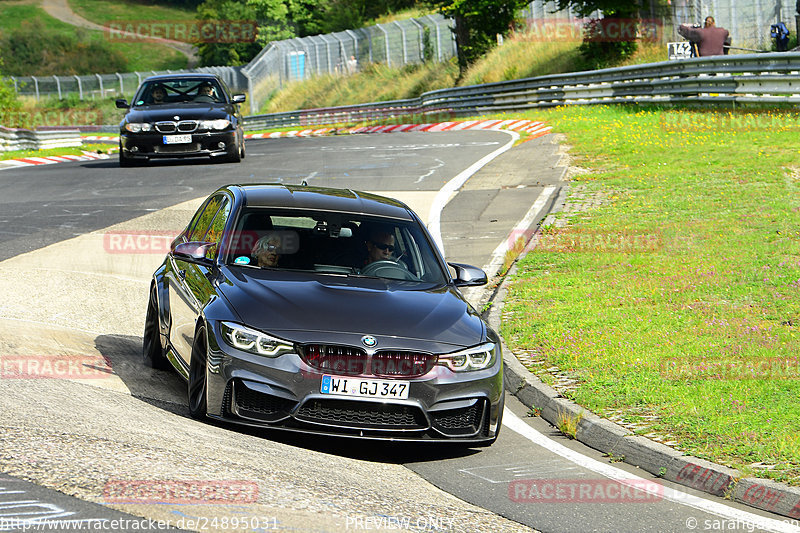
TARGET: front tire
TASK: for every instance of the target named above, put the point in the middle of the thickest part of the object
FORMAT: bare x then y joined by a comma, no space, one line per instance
198,382
153,354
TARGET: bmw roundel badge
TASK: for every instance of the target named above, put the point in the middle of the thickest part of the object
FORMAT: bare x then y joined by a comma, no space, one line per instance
369,341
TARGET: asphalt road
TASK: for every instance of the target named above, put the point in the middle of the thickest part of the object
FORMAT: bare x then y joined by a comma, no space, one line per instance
70,295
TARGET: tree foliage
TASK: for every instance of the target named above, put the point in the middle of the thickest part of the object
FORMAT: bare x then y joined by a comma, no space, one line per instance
270,15
8,97
478,22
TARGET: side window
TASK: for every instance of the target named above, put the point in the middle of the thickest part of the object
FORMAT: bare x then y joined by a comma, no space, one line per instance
203,222
217,228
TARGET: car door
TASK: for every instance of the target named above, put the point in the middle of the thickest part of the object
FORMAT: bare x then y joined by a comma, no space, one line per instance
190,283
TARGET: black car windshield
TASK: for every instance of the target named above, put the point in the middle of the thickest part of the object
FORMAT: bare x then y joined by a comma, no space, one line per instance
333,243
169,92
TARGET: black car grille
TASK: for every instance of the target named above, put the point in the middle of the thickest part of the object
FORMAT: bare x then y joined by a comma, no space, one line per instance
462,421
346,360
183,126
350,413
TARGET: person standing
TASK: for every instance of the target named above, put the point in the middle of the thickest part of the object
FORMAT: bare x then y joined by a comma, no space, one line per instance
711,40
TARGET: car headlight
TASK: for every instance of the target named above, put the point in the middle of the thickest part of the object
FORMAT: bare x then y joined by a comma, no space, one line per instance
219,124
477,358
250,340
136,127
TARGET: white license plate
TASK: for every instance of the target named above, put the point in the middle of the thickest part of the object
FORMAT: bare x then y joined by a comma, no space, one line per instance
365,388
177,139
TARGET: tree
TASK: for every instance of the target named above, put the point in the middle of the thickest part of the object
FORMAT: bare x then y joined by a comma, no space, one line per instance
602,48
9,104
478,22
271,17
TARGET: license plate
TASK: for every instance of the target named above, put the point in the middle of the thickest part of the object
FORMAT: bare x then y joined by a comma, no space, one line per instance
364,388
177,139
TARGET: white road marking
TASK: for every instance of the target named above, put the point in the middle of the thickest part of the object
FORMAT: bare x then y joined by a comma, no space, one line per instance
446,192
431,171
516,424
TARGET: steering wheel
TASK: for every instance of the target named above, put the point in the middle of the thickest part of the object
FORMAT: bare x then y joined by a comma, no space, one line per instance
388,269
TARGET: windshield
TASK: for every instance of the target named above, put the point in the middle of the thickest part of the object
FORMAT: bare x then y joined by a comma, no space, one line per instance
180,91
333,243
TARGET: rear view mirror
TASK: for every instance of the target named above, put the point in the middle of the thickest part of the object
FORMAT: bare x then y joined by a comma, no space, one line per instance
121,103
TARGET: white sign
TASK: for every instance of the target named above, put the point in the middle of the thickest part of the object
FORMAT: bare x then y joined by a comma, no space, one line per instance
679,50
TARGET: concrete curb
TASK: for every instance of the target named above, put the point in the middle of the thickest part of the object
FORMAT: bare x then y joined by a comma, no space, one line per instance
620,444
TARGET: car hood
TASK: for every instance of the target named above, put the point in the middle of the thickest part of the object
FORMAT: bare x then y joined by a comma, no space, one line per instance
342,310
189,111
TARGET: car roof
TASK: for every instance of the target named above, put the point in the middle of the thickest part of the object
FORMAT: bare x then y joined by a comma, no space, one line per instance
323,198
183,75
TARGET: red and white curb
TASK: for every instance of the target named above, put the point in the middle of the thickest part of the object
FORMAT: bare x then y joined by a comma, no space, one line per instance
533,128
49,160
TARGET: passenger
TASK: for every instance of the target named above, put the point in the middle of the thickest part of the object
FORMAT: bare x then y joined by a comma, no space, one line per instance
266,250
158,94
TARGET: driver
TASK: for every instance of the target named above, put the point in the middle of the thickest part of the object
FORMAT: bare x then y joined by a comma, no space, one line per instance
380,245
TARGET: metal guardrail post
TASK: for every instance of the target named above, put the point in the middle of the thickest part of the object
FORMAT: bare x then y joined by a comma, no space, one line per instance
121,88
403,37
421,43
438,38
386,37
100,83
36,86
355,41
58,86
16,89
80,87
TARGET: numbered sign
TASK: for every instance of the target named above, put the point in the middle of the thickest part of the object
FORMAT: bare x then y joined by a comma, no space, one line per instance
679,50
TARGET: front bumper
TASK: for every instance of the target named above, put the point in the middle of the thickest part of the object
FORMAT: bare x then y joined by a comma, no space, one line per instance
152,145
285,393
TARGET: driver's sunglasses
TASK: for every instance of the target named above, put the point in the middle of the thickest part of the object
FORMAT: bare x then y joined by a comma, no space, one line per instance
382,246
271,248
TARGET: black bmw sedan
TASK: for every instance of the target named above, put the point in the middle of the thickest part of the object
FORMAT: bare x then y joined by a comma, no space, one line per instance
181,115
327,311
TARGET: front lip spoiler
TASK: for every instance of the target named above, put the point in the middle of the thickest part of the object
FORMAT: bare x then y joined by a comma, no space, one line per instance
364,435
154,155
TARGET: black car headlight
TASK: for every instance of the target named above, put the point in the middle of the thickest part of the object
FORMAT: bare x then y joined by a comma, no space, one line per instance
477,358
136,127
252,341
219,124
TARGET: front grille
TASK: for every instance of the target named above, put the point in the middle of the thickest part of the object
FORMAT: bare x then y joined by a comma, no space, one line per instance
166,127
335,359
405,364
350,361
350,413
187,126
461,421
177,148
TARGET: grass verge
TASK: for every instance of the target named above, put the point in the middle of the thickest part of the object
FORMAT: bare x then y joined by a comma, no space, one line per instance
675,304
96,148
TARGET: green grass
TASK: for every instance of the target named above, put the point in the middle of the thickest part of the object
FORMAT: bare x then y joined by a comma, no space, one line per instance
97,148
141,56
676,303
105,11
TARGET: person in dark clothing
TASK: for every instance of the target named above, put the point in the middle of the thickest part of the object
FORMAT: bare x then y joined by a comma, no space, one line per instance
711,40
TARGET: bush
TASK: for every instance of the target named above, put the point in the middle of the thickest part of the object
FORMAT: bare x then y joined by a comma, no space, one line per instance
599,50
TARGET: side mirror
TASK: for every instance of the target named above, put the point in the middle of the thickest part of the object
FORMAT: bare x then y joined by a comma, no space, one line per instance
121,103
468,275
194,252
239,98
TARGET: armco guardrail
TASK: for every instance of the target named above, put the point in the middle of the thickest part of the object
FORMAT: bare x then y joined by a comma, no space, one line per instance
14,139
764,78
